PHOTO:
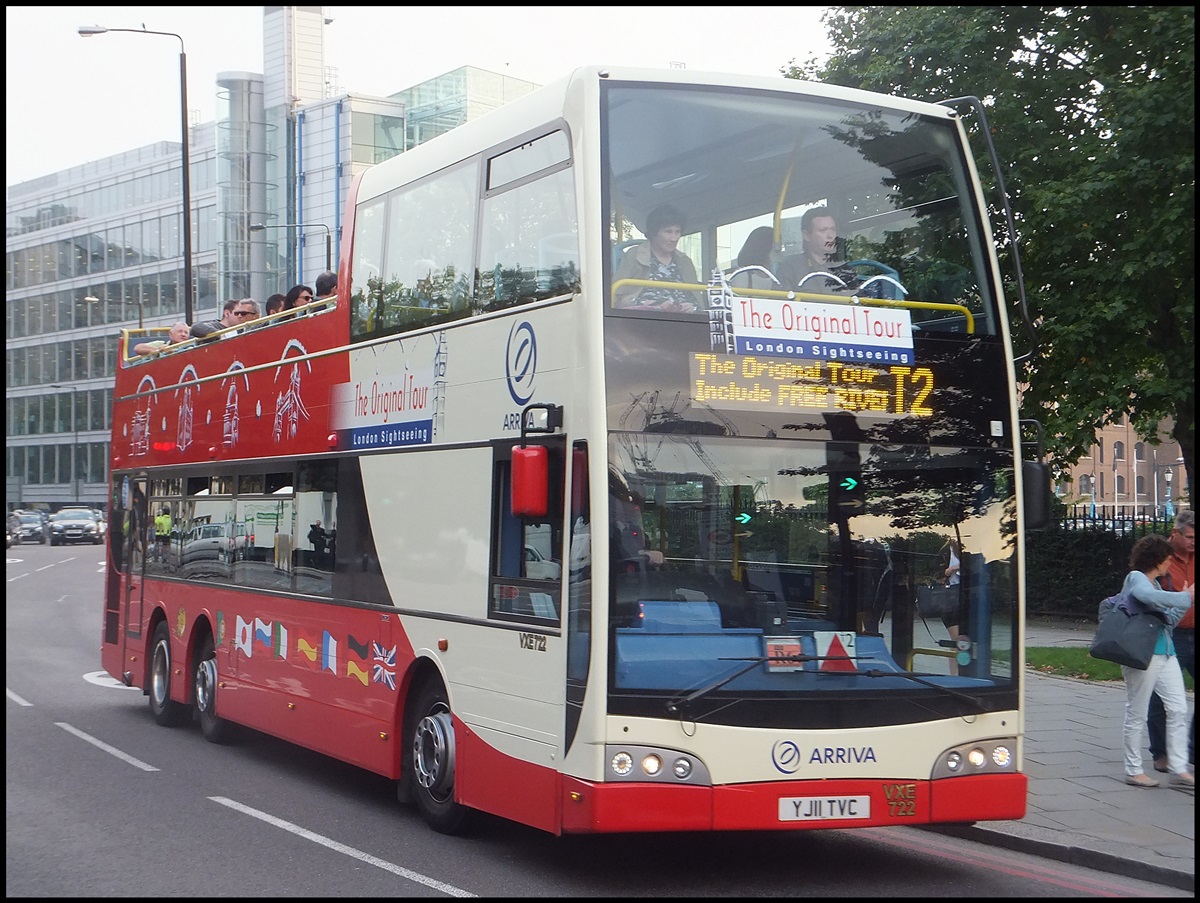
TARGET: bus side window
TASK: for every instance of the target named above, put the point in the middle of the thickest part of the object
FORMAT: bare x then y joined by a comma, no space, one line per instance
526,548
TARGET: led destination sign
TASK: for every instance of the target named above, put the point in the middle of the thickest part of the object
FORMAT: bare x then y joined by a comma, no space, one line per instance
749,383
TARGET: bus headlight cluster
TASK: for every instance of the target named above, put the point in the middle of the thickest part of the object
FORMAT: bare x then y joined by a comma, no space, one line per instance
643,763
981,757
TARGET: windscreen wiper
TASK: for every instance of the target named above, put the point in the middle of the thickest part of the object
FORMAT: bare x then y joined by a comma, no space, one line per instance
676,704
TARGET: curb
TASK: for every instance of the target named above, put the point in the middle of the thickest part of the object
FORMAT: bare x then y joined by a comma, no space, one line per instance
1073,854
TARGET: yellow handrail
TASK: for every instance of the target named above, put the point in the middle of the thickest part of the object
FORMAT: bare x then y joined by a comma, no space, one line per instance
806,296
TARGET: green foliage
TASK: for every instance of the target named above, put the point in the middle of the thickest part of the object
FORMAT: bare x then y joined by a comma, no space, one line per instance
1068,572
1093,113
1074,661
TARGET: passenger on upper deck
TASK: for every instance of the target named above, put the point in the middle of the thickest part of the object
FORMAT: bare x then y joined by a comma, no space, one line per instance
821,254
179,333
297,296
658,260
325,285
236,312
756,251
276,303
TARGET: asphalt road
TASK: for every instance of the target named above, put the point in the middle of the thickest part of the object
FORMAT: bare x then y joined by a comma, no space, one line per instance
100,801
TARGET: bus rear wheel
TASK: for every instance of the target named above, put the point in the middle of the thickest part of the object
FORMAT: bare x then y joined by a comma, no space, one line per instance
166,711
214,728
430,772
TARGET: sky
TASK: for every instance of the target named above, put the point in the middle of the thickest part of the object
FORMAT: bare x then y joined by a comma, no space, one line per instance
70,99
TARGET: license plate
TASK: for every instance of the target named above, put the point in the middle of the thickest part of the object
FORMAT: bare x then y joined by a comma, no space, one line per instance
824,808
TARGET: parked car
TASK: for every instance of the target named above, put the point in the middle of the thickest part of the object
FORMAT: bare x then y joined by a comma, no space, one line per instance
539,567
33,527
12,532
205,542
75,525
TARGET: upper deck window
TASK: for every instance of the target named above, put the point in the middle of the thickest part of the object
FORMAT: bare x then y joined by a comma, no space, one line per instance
893,187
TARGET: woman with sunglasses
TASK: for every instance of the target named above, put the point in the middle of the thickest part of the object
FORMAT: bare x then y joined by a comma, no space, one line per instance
297,296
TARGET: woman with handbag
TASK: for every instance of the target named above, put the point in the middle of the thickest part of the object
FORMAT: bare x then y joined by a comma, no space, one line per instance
947,576
1148,561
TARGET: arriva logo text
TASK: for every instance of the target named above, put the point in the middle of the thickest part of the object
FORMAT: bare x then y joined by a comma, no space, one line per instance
841,755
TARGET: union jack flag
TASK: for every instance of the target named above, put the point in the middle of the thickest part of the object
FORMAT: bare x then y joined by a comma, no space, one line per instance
387,656
382,676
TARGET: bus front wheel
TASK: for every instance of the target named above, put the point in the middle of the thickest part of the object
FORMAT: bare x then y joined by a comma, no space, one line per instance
166,711
430,745
215,729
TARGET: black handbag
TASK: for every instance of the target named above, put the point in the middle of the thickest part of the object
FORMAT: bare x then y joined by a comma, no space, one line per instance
1127,639
936,601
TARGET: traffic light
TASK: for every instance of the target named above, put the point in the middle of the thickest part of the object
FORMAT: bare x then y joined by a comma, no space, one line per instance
847,495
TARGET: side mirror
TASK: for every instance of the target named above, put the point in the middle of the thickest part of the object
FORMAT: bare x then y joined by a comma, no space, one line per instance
530,481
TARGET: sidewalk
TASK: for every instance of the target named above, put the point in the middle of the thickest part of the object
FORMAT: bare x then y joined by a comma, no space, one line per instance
1080,809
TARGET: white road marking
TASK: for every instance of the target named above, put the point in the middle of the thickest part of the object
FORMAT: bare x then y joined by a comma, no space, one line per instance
100,744
104,679
448,889
15,698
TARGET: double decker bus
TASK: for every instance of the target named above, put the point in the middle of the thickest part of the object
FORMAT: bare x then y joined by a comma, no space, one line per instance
475,526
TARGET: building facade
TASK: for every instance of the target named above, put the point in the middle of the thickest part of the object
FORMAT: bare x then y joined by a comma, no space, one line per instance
98,247
1126,476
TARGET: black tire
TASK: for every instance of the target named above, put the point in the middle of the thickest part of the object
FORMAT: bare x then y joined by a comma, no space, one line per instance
429,766
204,688
166,711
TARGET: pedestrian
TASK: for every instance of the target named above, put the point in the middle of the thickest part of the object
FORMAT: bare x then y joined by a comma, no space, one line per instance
162,534
1181,574
1148,563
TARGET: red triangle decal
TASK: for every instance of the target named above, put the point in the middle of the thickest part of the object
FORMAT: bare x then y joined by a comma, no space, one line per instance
837,649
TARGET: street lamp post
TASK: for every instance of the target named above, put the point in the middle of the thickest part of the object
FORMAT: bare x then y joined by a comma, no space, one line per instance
88,31
75,428
1168,509
260,227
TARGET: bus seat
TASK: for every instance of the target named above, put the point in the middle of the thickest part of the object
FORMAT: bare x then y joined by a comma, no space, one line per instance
619,249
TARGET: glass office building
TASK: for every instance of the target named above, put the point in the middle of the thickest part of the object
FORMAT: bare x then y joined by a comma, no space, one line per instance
98,247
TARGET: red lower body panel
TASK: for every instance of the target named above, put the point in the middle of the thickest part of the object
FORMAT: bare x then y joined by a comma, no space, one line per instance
603,808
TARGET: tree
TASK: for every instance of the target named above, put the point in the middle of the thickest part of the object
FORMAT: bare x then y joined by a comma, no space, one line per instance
1093,115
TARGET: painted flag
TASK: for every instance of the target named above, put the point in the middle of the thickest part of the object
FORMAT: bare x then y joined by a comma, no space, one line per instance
353,669
262,632
328,652
359,649
279,641
243,639
383,676
307,646
386,656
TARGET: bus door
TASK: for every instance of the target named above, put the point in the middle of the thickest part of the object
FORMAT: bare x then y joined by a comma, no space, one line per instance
526,671
136,515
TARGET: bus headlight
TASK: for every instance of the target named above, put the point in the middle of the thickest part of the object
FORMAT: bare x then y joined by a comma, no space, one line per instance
979,757
622,764
655,764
